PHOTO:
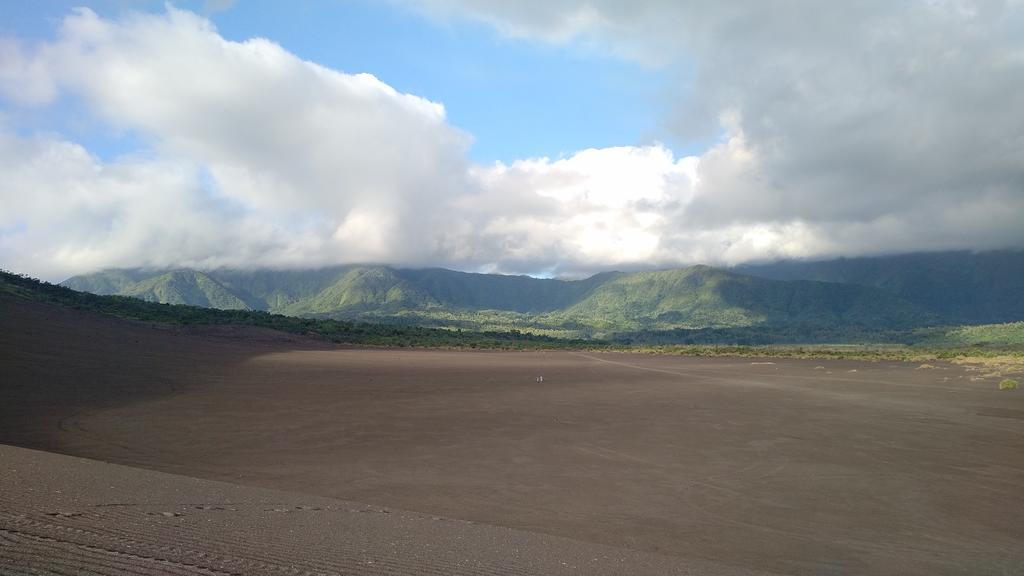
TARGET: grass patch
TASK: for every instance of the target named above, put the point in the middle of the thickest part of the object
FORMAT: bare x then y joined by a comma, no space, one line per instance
1009,384
995,366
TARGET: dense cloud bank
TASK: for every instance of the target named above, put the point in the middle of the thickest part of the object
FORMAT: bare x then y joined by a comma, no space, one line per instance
853,129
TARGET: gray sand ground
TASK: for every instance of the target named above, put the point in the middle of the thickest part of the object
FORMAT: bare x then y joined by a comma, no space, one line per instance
677,463
61,514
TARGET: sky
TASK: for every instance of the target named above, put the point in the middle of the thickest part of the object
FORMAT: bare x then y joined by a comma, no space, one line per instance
555,138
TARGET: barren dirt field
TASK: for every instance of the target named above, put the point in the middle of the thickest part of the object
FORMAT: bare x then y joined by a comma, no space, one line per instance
615,463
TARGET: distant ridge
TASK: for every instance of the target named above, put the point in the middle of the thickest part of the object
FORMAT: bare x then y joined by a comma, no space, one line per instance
959,287
697,297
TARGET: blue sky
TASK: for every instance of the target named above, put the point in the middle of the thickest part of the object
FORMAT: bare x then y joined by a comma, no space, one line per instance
519,99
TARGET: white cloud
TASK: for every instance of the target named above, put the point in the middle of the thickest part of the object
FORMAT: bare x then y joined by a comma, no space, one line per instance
858,129
596,209
22,79
67,212
848,116
286,143
276,132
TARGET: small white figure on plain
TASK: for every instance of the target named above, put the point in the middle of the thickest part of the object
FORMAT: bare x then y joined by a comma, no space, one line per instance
540,378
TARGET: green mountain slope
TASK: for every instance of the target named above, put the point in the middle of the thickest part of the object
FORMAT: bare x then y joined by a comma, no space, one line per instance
276,290
704,297
997,343
16,290
1008,336
108,282
961,287
363,289
690,298
523,294
175,287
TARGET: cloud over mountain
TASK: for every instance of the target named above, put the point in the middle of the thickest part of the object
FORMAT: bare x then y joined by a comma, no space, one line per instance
834,130
864,126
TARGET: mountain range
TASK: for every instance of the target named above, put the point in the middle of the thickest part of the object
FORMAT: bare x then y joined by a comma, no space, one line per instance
885,293
959,287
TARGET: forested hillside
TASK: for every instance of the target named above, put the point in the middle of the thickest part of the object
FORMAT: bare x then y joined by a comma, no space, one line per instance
960,287
698,297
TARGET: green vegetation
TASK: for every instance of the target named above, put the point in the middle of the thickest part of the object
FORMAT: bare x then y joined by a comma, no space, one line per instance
186,287
888,309
603,306
992,362
702,297
334,330
973,346
959,287
1003,336
1008,384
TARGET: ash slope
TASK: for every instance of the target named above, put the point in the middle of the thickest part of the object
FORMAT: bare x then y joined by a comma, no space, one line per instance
61,514
858,468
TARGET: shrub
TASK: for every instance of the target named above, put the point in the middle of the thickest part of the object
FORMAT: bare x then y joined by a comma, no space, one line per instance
1008,384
